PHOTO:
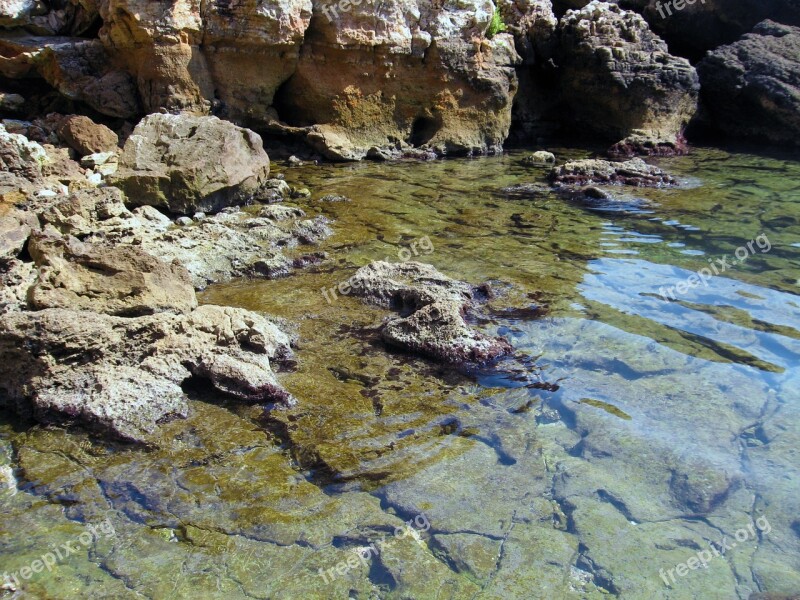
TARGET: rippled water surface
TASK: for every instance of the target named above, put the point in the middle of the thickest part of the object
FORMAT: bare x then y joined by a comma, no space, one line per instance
665,425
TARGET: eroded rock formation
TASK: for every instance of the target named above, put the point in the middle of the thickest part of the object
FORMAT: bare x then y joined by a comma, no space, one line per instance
752,87
382,77
432,308
634,172
122,376
619,81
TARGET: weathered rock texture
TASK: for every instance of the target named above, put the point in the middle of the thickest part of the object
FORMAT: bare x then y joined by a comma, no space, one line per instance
752,87
432,308
186,54
186,164
634,172
230,244
87,137
122,281
706,24
21,157
619,81
386,75
123,376
72,17
101,332
80,69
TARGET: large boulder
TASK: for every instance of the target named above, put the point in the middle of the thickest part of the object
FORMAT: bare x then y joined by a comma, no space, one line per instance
619,81
186,164
752,87
123,376
432,308
123,281
87,137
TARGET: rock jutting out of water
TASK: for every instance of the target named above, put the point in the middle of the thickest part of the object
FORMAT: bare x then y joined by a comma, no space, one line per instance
634,172
101,324
431,307
639,92
122,376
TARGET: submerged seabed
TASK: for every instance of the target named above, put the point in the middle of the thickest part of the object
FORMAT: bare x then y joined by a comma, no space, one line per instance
665,465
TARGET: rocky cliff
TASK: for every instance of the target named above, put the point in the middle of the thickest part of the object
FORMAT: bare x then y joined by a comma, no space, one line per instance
366,79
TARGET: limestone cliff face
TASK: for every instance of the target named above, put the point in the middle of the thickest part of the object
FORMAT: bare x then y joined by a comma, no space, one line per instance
226,55
375,76
381,76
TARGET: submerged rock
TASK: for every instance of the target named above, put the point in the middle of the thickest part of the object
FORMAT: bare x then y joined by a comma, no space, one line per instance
632,172
432,308
752,87
619,80
123,376
186,164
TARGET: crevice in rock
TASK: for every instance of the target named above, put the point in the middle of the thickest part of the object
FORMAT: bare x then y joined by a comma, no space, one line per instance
423,129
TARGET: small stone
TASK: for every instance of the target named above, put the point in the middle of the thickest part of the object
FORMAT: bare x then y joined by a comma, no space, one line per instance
334,198
595,192
279,186
300,192
540,157
295,162
107,169
183,221
199,216
98,158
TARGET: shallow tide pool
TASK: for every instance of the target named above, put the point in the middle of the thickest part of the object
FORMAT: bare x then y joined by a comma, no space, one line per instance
642,442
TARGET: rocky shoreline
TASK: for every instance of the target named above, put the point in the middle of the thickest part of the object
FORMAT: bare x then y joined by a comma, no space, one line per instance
412,79
101,325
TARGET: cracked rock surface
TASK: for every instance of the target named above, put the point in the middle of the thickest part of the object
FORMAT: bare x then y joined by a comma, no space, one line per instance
432,308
